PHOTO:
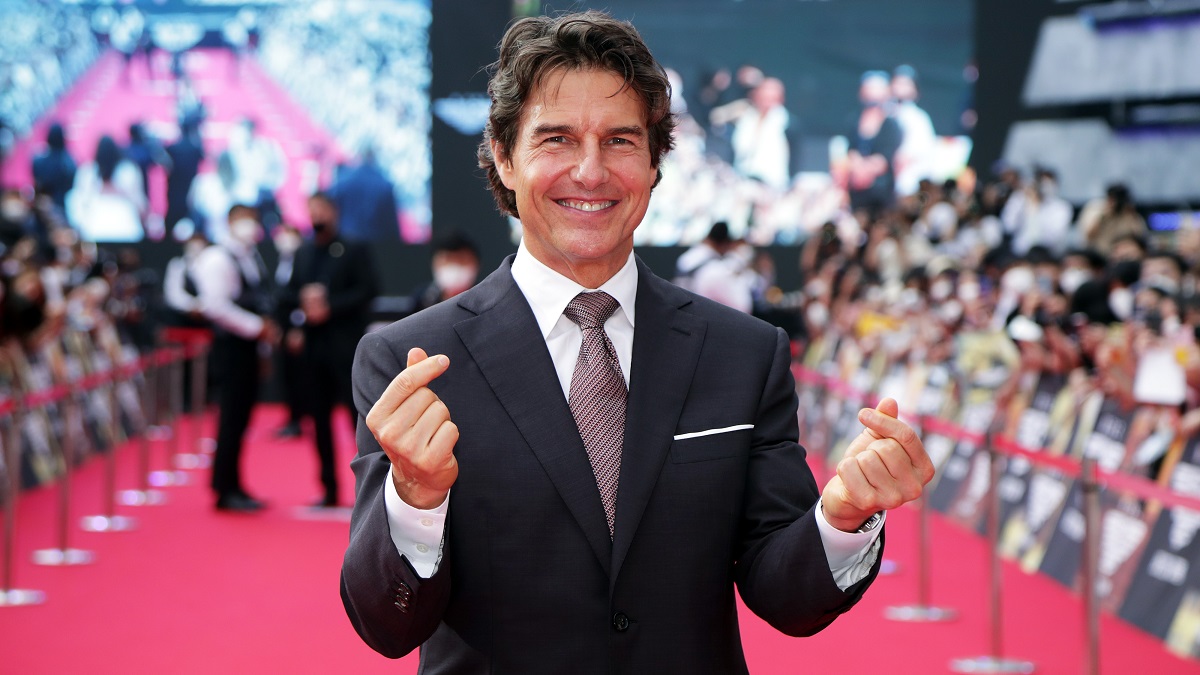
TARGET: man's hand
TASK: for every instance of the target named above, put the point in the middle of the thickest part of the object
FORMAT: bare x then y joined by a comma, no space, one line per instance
269,332
314,302
884,467
413,427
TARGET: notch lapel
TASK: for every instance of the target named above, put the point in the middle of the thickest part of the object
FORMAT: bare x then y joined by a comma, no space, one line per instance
666,348
507,346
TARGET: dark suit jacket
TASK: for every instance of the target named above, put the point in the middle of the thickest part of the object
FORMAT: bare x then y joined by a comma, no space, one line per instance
530,581
346,270
366,203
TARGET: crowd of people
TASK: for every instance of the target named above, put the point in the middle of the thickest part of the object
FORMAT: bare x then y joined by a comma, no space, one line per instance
377,60
46,47
737,159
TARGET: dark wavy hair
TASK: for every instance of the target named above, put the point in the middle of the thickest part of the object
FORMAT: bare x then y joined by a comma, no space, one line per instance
536,46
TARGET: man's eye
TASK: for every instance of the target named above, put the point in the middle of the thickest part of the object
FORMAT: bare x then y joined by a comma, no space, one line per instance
620,141
556,139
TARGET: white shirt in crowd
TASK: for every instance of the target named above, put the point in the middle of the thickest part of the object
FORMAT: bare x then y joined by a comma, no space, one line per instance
219,285
417,534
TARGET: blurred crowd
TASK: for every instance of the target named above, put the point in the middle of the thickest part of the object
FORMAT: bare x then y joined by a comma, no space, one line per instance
376,58
45,47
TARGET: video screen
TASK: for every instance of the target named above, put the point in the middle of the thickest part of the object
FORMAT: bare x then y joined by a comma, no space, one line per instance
148,119
768,94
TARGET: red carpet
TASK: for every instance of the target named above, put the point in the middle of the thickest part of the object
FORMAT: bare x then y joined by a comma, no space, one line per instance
194,591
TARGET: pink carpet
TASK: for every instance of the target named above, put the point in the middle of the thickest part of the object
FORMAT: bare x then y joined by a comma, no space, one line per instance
196,591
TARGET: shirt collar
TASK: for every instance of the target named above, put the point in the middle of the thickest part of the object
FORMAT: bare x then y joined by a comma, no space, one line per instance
549,292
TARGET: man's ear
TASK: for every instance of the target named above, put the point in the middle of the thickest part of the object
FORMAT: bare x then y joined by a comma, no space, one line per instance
503,164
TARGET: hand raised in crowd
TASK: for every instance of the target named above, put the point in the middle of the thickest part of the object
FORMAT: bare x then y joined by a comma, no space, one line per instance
314,302
270,332
885,466
413,427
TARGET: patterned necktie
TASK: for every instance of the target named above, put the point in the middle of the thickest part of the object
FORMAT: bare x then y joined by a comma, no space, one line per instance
598,395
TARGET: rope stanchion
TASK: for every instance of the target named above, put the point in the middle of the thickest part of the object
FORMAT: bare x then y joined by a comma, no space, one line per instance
1091,562
10,596
202,446
993,662
169,477
63,554
923,611
109,521
144,494
193,358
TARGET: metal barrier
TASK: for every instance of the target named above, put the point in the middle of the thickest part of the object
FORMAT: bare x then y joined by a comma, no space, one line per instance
9,595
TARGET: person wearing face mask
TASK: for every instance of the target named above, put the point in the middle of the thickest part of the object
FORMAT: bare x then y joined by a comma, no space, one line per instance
180,292
287,241
1037,215
869,174
326,304
236,296
455,269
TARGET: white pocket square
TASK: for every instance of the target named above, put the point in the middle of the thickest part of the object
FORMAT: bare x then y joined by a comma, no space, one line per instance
711,432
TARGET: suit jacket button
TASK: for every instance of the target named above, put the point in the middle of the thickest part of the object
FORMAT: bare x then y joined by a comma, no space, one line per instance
620,622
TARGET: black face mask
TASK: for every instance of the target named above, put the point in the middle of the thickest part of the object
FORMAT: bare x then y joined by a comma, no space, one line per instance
22,315
321,227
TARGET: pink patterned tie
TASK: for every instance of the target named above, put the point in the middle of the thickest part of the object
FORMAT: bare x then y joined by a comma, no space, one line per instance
598,395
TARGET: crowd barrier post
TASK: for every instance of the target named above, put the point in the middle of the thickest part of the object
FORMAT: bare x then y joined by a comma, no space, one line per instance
923,611
64,555
200,403
169,359
993,662
144,495
1091,560
9,596
189,359
109,521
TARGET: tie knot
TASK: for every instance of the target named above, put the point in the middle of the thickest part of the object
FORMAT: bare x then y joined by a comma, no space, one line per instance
591,310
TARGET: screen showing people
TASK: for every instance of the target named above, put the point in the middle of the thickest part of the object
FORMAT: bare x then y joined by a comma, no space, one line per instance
160,116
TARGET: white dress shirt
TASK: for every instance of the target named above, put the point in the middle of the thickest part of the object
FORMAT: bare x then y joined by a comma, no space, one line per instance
417,534
218,284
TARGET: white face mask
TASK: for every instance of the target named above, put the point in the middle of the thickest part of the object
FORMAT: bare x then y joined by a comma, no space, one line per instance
818,314
968,292
1071,279
1120,301
245,230
287,243
14,210
1170,324
941,289
453,278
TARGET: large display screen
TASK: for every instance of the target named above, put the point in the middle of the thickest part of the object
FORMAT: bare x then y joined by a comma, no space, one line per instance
173,110
768,94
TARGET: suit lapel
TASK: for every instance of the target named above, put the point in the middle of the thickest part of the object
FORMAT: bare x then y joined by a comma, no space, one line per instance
505,342
666,348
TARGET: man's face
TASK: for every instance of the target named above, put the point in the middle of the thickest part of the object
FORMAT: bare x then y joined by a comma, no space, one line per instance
582,173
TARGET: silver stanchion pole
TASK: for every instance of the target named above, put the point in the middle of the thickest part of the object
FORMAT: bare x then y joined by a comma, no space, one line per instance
1091,560
145,495
109,521
993,663
204,444
194,459
174,397
9,596
64,554
922,611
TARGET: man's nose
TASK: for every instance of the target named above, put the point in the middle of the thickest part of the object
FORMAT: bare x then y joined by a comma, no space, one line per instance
590,168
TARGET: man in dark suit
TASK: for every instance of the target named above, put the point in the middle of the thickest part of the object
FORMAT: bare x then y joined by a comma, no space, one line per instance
592,458
186,154
367,202
326,305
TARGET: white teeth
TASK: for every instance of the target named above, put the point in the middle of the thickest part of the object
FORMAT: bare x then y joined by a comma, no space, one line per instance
586,206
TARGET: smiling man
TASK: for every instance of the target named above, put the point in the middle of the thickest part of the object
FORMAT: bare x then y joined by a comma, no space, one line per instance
593,459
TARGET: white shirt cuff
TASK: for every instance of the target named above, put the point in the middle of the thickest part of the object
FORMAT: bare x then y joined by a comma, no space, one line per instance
416,533
850,554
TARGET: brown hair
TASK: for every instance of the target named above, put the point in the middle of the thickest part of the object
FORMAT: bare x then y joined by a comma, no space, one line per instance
534,47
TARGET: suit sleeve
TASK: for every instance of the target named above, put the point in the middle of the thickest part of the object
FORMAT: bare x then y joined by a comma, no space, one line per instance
393,609
782,573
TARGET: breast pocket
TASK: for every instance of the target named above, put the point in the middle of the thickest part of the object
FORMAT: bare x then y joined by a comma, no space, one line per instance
708,446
